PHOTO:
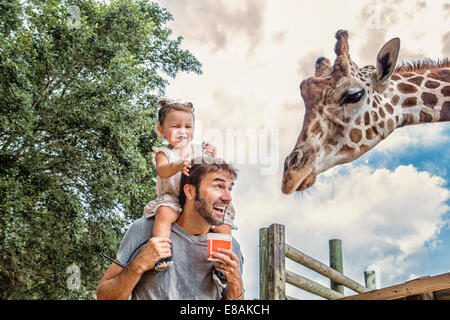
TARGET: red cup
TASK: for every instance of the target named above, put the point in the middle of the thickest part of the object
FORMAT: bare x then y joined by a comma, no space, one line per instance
216,241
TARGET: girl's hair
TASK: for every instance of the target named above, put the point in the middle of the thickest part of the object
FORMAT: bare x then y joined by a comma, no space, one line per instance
168,105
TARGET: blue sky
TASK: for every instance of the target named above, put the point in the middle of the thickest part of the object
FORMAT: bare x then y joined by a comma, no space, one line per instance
435,159
390,207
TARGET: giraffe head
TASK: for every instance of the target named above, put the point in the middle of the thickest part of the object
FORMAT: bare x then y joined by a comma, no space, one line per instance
337,124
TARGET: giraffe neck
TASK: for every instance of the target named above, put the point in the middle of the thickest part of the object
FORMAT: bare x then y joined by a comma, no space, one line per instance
418,96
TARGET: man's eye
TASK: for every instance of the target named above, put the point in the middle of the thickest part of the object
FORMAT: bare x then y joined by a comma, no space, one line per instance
353,97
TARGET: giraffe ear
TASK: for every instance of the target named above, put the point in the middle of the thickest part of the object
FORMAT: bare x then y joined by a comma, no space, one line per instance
387,59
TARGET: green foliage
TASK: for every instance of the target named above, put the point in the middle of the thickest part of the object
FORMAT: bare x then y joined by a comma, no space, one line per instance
77,113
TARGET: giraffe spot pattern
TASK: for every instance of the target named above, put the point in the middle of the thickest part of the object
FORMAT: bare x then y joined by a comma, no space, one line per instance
446,91
395,77
317,129
429,99
389,108
406,88
407,75
416,80
409,102
395,100
366,118
376,98
407,119
364,148
374,104
432,84
382,113
425,117
443,75
346,149
371,133
355,135
390,125
445,111
374,116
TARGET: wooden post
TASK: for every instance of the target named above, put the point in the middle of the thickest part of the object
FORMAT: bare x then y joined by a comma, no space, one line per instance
277,269
369,277
336,262
272,263
264,263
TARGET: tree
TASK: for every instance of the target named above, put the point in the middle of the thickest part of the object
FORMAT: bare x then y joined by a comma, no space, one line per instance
78,90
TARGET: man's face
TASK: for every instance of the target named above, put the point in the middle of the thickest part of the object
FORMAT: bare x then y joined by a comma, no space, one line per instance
214,196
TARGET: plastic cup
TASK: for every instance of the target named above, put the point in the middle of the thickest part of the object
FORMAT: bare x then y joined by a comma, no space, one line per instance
216,241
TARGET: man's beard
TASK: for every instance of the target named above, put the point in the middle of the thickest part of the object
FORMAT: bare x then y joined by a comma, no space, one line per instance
201,207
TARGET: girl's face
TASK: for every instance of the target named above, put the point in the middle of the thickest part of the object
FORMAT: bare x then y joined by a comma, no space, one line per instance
178,128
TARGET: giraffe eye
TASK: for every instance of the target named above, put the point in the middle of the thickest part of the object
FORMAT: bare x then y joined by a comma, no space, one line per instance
353,97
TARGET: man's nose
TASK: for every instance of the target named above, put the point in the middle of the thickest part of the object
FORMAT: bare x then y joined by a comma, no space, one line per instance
226,195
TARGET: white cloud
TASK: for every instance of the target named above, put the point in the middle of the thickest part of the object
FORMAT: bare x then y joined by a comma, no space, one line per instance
418,135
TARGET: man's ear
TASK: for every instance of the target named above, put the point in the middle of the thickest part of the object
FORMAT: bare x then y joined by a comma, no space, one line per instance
189,191
386,62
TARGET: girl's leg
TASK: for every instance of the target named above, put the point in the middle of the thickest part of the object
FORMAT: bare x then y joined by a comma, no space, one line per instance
164,218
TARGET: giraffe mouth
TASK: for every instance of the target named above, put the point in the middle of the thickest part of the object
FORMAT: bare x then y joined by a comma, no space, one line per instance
297,180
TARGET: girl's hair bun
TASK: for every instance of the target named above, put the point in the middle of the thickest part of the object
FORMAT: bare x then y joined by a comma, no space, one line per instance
163,103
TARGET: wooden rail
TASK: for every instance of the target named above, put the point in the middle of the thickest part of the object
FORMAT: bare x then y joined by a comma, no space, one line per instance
273,274
411,288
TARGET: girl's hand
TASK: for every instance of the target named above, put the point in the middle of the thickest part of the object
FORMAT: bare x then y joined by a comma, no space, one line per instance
183,166
209,149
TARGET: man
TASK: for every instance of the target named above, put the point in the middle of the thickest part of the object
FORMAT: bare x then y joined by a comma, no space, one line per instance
204,196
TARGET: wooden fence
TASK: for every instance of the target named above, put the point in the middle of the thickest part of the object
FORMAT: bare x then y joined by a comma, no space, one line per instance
273,250
273,274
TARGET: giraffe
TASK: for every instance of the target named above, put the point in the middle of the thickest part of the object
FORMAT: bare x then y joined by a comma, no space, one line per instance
349,110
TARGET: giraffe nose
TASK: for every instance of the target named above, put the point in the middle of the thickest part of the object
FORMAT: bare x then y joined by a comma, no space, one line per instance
293,159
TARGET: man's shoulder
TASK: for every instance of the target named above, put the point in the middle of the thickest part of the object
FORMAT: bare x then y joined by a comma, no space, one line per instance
142,226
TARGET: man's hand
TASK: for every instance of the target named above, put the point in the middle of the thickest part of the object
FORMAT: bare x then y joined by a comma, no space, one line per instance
155,249
228,264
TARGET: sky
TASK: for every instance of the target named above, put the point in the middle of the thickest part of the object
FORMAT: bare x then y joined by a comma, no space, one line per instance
390,208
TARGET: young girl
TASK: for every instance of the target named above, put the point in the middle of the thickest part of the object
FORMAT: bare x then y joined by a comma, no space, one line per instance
176,125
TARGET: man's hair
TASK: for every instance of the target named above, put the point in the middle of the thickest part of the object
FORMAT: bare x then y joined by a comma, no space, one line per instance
167,105
200,167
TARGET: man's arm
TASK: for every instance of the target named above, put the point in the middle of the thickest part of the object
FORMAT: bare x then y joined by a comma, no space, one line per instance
118,283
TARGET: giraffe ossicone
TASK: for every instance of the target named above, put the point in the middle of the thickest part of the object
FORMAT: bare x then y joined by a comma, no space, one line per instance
349,110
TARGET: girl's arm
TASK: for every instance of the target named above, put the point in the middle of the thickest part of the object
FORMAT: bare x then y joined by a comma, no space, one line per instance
166,169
